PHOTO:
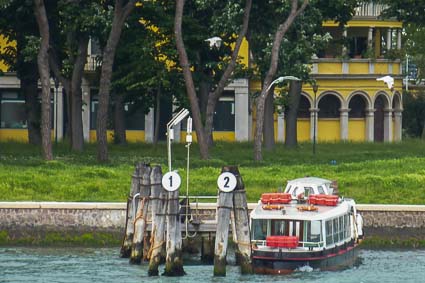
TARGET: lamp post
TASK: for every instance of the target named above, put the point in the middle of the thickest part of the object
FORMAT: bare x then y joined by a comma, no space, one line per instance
170,131
56,109
315,87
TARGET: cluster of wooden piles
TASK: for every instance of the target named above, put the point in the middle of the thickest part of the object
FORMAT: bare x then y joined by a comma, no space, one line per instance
149,201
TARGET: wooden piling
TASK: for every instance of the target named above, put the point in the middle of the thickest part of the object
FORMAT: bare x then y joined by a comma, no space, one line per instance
173,261
125,251
207,249
225,206
242,231
159,209
141,215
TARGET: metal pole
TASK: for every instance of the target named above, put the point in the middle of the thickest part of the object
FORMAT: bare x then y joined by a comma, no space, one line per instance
314,124
56,110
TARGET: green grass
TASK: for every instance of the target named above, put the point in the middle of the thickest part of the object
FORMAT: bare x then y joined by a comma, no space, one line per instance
370,173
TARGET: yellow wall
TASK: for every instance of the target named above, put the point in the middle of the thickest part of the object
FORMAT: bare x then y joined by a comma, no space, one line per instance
356,129
3,45
303,130
20,135
330,68
359,68
328,130
132,136
217,136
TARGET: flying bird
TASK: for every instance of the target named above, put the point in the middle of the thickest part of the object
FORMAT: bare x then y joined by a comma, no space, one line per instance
214,41
388,80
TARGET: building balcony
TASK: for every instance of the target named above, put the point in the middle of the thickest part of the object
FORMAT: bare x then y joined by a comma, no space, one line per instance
355,67
369,10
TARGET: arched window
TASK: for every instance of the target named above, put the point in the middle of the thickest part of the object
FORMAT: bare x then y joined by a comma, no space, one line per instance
329,106
304,108
358,106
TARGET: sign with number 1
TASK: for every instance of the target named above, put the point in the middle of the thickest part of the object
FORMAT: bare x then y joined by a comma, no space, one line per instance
226,182
171,181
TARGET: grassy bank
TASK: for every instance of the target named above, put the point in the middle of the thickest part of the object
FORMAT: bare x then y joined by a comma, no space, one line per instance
370,173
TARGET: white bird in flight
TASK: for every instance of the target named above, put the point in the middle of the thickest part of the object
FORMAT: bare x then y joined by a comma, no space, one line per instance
388,80
214,41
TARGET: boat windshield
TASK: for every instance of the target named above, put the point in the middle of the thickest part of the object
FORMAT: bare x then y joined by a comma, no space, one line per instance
259,229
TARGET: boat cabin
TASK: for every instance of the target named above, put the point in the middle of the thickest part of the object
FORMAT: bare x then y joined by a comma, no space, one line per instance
308,186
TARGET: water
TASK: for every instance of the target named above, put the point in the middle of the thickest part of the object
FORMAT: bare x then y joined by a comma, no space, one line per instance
103,265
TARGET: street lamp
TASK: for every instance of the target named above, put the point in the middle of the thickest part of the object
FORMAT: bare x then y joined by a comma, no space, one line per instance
281,79
170,131
315,87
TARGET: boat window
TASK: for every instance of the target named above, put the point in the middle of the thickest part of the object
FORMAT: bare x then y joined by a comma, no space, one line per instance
347,226
278,227
313,231
329,238
296,191
259,229
341,228
321,190
288,188
308,191
335,229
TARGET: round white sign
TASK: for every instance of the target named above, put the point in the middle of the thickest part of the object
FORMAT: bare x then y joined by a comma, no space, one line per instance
171,181
226,182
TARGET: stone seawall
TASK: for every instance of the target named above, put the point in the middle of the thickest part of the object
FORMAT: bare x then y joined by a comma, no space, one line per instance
16,217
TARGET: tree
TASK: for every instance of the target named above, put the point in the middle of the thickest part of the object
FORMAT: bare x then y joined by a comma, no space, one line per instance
204,132
22,58
260,102
122,10
44,71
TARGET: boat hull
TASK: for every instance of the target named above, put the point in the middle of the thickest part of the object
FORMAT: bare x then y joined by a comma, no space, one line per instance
287,262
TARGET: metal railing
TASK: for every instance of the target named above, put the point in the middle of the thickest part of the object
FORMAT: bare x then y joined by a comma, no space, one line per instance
369,9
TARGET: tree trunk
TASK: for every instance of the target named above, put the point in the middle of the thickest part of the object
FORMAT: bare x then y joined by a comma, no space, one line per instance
280,33
44,71
119,120
77,100
292,113
29,88
423,132
120,15
190,87
204,136
268,132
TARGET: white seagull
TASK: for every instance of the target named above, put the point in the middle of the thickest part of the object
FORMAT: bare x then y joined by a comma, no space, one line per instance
388,80
214,41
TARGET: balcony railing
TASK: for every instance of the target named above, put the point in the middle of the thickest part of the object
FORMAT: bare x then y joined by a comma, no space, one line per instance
93,63
369,9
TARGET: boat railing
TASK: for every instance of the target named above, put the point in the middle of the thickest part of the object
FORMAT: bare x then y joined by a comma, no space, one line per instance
262,243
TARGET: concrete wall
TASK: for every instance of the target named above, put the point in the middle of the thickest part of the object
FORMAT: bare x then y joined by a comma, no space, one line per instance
386,220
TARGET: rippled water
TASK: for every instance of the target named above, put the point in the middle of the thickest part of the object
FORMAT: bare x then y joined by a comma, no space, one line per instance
103,265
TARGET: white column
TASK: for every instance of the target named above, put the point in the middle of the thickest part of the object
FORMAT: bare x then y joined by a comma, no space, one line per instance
85,88
397,125
370,38
344,35
388,125
314,128
370,125
343,123
281,125
150,125
398,39
60,113
241,114
389,39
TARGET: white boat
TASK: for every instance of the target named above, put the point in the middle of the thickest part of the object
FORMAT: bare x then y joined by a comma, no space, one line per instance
305,226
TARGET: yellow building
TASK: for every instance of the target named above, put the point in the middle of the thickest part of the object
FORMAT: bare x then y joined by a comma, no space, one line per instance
348,105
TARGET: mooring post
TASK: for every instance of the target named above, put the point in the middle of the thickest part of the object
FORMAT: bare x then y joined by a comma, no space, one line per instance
243,235
140,221
173,260
225,206
207,249
129,227
159,209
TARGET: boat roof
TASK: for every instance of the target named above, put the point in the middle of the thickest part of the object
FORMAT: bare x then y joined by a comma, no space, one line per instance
309,181
290,211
